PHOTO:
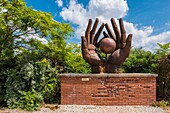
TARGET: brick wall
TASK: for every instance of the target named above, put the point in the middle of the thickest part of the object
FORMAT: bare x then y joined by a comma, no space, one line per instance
108,89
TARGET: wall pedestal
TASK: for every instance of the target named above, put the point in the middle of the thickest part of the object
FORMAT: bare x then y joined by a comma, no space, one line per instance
108,89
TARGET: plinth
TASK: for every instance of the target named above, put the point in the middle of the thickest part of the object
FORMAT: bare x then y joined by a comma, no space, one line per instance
108,89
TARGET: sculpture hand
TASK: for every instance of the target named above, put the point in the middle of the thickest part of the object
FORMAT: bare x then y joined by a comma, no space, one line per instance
88,45
123,46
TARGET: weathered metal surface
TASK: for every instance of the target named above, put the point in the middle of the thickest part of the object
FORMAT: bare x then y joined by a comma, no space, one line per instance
107,45
117,46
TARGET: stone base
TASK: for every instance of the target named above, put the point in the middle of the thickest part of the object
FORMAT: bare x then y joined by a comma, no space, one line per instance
108,89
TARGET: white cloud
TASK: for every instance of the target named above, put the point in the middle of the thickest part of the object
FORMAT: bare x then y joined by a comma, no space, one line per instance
162,38
142,37
74,13
59,3
139,35
77,14
105,10
37,37
108,9
2,10
31,35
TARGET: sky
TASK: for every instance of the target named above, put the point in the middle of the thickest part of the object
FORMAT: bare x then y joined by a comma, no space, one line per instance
147,20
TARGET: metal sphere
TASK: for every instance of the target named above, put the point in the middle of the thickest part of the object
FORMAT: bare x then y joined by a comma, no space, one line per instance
107,45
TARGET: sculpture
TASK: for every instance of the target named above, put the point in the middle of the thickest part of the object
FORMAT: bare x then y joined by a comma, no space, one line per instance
118,48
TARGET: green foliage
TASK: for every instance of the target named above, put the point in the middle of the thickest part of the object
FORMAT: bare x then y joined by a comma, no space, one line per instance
29,100
164,49
162,104
29,67
74,62
29,84
18,23
140,61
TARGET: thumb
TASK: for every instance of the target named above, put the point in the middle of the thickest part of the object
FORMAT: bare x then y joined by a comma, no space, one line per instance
128,43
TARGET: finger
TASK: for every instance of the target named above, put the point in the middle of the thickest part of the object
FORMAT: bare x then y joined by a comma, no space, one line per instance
128,42
87,33
123,32
93,30
98,34
109,31
116,30
84,47
83,43
105,34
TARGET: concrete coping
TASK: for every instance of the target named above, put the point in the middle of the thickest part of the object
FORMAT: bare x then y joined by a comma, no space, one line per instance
114,75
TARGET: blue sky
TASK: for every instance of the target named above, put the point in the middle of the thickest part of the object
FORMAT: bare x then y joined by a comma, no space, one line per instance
148,20
150,12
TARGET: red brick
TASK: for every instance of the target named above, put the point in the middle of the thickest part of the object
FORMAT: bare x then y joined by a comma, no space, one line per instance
108,91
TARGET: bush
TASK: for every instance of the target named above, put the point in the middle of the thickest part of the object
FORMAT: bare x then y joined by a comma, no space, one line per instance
28,100
140,61
163,80
28,84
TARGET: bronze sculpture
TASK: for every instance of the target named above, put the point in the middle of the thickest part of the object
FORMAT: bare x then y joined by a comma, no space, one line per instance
118,48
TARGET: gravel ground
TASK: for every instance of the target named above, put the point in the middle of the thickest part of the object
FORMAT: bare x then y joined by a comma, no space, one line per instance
90,109
109,109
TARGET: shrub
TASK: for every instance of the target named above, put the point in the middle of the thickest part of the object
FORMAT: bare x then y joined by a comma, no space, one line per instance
163,80
140,61
30,83
28,100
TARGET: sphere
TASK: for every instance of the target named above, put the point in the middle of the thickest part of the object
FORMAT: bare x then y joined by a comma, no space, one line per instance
107,45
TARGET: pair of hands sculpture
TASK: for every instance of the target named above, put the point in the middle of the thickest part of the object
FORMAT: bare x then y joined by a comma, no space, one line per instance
90,45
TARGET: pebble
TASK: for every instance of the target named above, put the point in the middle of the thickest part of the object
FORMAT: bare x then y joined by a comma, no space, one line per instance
91,109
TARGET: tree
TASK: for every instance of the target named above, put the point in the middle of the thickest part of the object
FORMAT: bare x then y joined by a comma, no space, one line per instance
163,80
163,71
32,46
164,49
21,26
